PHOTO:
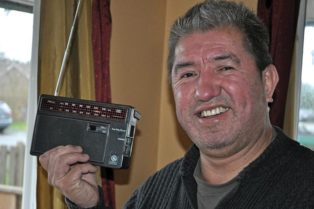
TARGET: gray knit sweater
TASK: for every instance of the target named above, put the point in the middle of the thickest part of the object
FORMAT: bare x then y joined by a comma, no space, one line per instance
281,178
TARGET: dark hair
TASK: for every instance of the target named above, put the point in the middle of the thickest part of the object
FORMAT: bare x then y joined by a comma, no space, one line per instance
212,14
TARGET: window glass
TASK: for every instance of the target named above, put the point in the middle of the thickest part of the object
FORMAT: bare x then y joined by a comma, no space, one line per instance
306,111
15,55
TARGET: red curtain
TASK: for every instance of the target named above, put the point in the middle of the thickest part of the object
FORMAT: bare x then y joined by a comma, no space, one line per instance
281,17
101,34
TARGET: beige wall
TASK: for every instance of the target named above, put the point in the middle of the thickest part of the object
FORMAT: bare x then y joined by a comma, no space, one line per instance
135,67
138,77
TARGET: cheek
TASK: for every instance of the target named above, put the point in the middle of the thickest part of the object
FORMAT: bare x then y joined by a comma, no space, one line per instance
179,99
243,93
235,88
249,95
183,99
181,93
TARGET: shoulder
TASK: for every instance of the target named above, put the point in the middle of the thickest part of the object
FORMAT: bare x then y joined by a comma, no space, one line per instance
166,174
300,159
165,183
156,187
304,159
297,151
183,166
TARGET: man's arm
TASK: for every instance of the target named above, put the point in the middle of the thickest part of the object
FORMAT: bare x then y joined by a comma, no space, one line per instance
100,205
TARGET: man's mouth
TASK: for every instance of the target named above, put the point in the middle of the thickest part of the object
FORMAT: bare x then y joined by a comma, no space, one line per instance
213,112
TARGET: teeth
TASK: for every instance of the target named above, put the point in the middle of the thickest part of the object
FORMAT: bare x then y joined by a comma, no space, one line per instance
212,112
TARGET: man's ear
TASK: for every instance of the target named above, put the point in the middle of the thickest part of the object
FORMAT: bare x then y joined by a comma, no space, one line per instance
270,80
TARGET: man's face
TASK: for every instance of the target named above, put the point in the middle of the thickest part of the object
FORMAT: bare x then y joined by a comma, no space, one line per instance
220,96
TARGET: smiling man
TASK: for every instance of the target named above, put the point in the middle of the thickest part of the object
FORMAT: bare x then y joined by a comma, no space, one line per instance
222,100
223,80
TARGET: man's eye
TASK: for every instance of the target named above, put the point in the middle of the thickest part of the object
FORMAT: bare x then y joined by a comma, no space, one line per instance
187,75
226,68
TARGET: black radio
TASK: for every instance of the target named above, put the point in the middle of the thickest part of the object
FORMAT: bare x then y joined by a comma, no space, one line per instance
105,131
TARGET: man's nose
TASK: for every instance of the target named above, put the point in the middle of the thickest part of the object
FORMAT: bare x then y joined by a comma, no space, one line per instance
207,86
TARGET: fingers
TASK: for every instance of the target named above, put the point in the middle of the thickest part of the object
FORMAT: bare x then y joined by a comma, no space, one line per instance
58,161
62,165
45,158
80,185
73,179
69,171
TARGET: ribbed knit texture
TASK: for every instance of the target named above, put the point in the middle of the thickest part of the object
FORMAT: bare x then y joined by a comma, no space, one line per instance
281,178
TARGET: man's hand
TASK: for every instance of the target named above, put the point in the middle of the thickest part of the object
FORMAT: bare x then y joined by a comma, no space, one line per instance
69,171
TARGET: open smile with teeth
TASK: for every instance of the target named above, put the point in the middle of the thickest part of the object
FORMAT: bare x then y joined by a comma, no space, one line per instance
212,112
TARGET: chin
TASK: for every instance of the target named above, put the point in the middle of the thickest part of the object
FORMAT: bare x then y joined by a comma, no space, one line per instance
212,144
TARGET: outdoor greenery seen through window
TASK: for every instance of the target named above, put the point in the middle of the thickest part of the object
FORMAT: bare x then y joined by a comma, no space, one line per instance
306,111
15,55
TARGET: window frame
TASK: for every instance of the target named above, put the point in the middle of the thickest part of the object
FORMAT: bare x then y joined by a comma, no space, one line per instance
19,5
30,163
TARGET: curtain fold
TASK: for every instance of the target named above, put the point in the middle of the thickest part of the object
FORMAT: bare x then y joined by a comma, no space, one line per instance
281,17
55,22
101,35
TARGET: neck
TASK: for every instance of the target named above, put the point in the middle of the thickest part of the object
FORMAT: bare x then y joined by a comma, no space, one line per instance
219,170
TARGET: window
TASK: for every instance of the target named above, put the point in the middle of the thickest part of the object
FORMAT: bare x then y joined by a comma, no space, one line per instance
306,108
17,70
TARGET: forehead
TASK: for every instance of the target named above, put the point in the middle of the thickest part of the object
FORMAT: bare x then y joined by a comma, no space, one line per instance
209,43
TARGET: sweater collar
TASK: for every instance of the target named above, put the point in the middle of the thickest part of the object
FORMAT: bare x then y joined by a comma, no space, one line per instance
266,162
269,160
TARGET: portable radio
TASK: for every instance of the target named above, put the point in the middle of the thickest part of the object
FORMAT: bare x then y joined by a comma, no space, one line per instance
105,131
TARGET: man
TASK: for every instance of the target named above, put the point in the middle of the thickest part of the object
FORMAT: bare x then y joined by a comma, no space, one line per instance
222,80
